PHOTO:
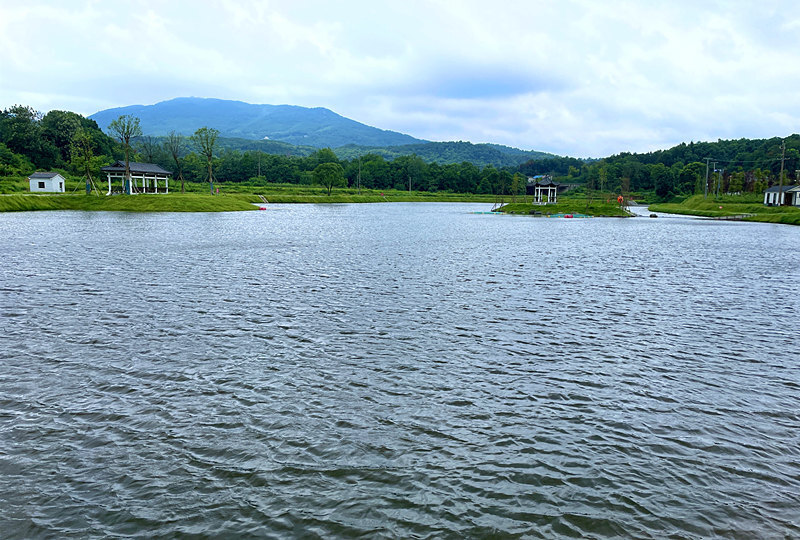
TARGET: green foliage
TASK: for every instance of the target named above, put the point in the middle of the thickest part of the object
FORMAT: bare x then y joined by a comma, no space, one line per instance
82,153
45,141
329,175
12,163
518,185
21,131
175,147
323,155
205,140
445,153
126,128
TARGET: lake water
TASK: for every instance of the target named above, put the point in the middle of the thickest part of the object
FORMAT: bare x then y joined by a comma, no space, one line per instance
397,370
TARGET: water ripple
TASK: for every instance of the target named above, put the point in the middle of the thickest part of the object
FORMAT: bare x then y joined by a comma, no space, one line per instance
397,371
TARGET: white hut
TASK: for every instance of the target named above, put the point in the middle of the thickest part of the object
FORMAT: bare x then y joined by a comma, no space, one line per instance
46,182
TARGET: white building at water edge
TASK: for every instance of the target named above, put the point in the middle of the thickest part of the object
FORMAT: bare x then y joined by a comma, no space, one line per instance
46,182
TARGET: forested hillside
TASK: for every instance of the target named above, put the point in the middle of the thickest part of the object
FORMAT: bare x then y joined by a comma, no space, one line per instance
445,153
741,165
30,140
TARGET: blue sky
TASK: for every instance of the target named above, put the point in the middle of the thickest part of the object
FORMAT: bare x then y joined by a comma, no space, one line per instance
574,77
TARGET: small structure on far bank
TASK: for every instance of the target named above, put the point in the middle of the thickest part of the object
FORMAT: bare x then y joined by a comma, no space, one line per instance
782,196
144,177
543,189
46,182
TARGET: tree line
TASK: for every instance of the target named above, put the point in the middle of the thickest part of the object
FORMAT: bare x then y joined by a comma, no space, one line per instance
725,166
68,141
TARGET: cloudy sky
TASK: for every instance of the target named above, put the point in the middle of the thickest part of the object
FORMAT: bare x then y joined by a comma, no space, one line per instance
574,77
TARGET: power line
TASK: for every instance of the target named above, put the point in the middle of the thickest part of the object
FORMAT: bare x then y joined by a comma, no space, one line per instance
729,161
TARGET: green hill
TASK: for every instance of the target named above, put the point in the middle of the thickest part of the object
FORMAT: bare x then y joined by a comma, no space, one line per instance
317,127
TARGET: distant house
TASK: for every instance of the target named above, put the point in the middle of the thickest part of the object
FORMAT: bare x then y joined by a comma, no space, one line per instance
543,189
782,196
49,182
144,177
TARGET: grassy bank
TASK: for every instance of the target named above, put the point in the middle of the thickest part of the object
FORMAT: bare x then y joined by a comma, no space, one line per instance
293,193
732,205
568,206
120,203
197,198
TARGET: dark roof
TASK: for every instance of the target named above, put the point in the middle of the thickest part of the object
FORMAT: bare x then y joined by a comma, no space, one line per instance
136,167
541,180
778,189
43,175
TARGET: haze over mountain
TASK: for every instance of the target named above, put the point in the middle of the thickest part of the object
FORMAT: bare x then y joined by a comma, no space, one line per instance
317,127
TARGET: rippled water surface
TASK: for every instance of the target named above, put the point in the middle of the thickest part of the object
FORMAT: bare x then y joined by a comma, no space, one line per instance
397,370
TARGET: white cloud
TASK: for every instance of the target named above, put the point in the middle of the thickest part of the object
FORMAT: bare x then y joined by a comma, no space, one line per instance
577,77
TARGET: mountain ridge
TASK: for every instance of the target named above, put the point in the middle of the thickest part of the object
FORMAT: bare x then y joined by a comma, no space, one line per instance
318,127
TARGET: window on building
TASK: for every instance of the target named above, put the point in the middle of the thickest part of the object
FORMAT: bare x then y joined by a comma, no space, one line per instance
61,186
41,185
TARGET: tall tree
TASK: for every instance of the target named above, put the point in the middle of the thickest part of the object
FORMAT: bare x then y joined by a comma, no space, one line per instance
83,158
175,146
329,175
148,147
205,139
518,182
126,128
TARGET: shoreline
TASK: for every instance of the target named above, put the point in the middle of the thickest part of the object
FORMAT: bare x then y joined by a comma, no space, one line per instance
196,202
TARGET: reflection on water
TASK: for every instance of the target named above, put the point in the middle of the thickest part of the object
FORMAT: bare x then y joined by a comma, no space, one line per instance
397,370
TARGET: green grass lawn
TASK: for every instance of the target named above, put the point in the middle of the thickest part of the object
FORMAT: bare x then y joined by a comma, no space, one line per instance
732,205
189,202
566,205
233,196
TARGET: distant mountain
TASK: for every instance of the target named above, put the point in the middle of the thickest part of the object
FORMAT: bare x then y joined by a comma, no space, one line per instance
445,153
316,127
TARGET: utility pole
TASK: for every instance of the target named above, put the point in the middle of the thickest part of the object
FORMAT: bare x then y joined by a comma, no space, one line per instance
715,170
705,193
780,179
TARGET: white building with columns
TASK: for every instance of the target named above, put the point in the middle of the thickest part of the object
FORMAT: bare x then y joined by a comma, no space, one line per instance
144,178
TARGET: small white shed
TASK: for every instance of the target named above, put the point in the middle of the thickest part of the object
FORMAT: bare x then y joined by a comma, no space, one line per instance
49,182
